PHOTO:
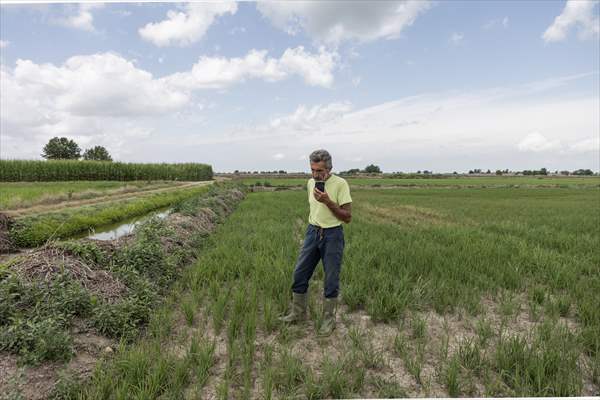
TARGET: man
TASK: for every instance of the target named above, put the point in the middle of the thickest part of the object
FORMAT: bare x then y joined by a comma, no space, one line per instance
324,241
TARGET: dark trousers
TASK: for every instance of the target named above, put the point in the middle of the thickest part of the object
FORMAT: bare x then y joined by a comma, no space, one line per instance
326,244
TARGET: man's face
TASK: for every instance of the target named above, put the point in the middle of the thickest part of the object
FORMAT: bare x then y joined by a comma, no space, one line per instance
319,172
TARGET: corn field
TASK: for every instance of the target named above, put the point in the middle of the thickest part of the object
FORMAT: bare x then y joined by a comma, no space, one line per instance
70,170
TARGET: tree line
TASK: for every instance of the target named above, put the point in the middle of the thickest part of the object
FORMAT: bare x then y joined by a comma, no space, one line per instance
67,149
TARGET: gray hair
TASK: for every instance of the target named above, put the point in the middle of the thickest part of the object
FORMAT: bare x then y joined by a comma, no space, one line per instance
321,155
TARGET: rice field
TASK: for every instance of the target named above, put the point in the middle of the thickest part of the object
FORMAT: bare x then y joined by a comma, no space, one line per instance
471,292
459,181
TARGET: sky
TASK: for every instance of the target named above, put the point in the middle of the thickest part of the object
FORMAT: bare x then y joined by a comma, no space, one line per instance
406,85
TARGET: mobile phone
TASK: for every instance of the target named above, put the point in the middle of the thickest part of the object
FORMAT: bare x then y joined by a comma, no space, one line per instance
320,185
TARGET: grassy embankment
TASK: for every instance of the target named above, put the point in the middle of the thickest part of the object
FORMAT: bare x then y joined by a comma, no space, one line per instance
480,292
34,230
48,296
15,195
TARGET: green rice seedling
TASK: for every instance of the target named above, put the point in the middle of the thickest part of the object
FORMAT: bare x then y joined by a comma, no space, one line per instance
534,311
469,354
484,331
188,308
509,305
333,379
419,327
546,367
267,384
161,323
218,310
269,316
557,307
452,377
369,356
414,362
266,372
400,344
313,387
443,349
201,358
356,337
289,373
223,388
563,303
386,388
538,295
341,378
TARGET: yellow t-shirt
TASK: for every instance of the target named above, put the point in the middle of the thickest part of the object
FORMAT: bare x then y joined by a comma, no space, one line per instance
338,190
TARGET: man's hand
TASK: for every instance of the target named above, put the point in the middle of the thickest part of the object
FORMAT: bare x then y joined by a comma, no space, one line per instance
343,213
321,197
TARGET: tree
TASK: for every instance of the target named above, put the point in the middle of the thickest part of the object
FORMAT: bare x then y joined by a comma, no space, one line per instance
372,169
61,149
583,172
97,153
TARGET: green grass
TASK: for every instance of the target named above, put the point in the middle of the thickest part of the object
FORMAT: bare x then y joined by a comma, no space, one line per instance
35,230
461,181
409,253
27,194
36,313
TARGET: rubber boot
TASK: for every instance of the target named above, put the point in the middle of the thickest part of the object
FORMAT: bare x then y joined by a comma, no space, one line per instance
298,309
328,323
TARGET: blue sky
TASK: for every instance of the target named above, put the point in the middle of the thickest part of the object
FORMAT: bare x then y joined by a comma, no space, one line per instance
412,85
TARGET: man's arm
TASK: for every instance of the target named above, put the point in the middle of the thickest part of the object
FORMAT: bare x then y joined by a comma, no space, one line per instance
343,212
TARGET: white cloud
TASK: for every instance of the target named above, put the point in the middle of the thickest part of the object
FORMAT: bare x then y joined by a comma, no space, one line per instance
536,142
333,22
220,72
579,13
525,126
589,145
456,38
4,44
496,22
279,156
83,19
101,96
356,81
107,97
187,26
310,118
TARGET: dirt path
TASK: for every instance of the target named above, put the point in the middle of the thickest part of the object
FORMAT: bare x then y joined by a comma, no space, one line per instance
97,200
